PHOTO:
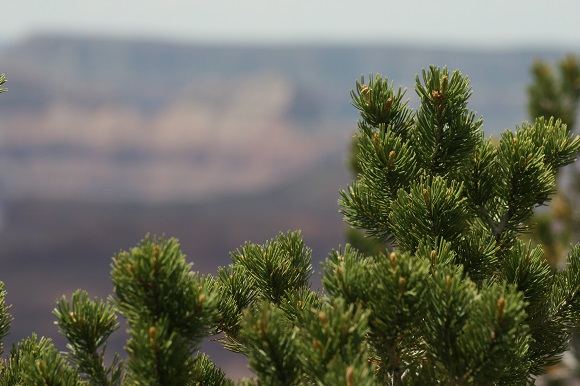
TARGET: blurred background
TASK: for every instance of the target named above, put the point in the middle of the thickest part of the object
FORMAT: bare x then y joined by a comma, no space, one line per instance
216,122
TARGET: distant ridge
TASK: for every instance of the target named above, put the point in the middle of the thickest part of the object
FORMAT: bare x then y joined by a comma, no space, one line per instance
100,118
171,66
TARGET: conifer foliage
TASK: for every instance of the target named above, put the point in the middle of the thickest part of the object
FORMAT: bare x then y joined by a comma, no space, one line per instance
461,300
555,91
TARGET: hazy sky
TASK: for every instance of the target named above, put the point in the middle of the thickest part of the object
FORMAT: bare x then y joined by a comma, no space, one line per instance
449,22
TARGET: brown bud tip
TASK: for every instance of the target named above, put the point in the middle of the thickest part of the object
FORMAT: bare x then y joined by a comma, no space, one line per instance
317,345
199,288
323,318
73,317
426,194
448,280
500,306
393,258
152,332
391,159
201,299
365,91
435,94
388,104
350,376
156,251
402,284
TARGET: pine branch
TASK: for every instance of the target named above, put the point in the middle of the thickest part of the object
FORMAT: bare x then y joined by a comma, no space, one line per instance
167,307
35,361
2,81
87,324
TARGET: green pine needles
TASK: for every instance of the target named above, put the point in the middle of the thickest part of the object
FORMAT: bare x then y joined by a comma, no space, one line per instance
2,81
461,300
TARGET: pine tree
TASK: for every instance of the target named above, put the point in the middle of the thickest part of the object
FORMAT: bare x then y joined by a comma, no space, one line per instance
556,92
461,300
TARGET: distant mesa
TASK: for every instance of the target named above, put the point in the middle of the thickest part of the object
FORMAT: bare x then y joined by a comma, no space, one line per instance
108,119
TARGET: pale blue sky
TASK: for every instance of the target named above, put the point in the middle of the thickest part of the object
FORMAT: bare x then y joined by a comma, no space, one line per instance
484,23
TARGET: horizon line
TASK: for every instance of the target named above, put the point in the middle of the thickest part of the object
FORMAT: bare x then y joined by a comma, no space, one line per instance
291,42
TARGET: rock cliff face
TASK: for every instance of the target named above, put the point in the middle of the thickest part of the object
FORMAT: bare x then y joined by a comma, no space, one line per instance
187,149
100,119
167,137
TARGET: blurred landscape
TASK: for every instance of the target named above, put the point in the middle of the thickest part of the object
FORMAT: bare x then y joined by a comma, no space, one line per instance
103,141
